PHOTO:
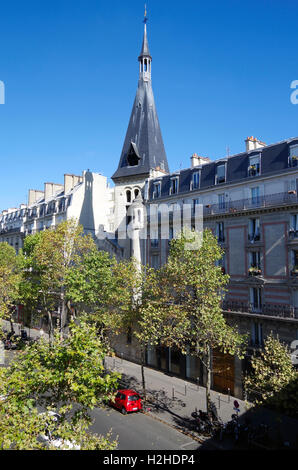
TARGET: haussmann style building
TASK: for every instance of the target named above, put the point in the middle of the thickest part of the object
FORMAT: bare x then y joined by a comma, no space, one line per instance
248,200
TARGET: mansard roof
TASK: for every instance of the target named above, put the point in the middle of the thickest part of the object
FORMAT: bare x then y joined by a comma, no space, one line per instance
274,160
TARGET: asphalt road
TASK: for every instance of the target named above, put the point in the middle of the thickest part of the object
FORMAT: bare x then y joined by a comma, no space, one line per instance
137,431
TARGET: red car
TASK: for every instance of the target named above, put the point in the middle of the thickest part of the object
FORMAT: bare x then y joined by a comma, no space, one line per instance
127,400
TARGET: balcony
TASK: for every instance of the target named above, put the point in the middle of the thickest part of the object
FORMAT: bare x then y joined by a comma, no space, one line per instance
254,271
273,310
278,199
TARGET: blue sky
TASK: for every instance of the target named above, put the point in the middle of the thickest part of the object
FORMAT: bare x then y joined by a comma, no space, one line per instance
221,71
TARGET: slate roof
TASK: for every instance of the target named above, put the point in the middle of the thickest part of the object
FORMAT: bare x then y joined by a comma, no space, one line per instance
145,46
143,132
274,160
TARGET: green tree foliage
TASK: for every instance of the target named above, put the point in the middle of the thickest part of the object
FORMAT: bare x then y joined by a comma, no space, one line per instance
273,380
9,279
47,259
192,287
68,377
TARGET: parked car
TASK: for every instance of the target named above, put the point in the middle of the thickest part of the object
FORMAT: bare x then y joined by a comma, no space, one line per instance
127,400
48,438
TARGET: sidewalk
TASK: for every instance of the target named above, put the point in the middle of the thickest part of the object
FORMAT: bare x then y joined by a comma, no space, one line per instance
172,400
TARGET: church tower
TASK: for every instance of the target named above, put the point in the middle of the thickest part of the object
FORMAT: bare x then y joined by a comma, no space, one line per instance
143,153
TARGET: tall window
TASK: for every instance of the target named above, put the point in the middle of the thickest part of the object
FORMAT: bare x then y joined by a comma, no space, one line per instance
257,334
255,299
255,195
195,180
174,186
156,190
254,263
294,226
155,261
128,195
254,229
220,232
254,165
194,203
220,174
221,201
293,157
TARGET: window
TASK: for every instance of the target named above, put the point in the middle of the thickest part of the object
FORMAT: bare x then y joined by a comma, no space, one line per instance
221,201
254,165
255,299
294,255
195,182
255,195
254,263
220,174
154,243
156,190
194,203
254,230
293,232
220,232
257,334
174,186
136,192
155,261
293,157
128,195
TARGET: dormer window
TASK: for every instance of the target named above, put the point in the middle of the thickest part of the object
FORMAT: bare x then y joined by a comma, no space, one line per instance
220,174
174,186
156,190
195,182
133,156
254,165
293,156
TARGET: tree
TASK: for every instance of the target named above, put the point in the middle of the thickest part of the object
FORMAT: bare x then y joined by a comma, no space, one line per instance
9,280
272,374
68,377
48,258
193,286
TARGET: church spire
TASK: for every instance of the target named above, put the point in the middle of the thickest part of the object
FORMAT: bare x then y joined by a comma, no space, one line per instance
143,147
145,58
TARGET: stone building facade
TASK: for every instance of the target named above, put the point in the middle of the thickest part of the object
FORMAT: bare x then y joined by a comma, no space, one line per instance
248,200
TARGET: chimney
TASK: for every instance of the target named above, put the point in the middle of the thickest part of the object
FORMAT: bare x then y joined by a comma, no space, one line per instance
252,143
195,160
70,181
34,195
50,189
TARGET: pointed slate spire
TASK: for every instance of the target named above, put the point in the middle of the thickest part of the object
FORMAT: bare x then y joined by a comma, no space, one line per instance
145,46
143,147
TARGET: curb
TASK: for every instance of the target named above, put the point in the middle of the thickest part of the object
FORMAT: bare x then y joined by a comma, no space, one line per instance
177,428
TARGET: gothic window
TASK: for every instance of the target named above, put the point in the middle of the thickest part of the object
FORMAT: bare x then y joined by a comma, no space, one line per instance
128,195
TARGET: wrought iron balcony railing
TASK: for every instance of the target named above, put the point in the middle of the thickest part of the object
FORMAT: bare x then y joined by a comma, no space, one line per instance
251,203
274,310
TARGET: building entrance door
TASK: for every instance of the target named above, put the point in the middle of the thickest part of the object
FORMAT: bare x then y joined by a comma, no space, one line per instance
223,372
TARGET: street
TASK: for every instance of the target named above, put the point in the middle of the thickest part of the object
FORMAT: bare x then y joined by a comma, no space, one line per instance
137,431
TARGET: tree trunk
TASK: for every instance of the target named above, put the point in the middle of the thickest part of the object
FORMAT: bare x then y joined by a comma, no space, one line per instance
208,382
63,313
51,333
143,374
